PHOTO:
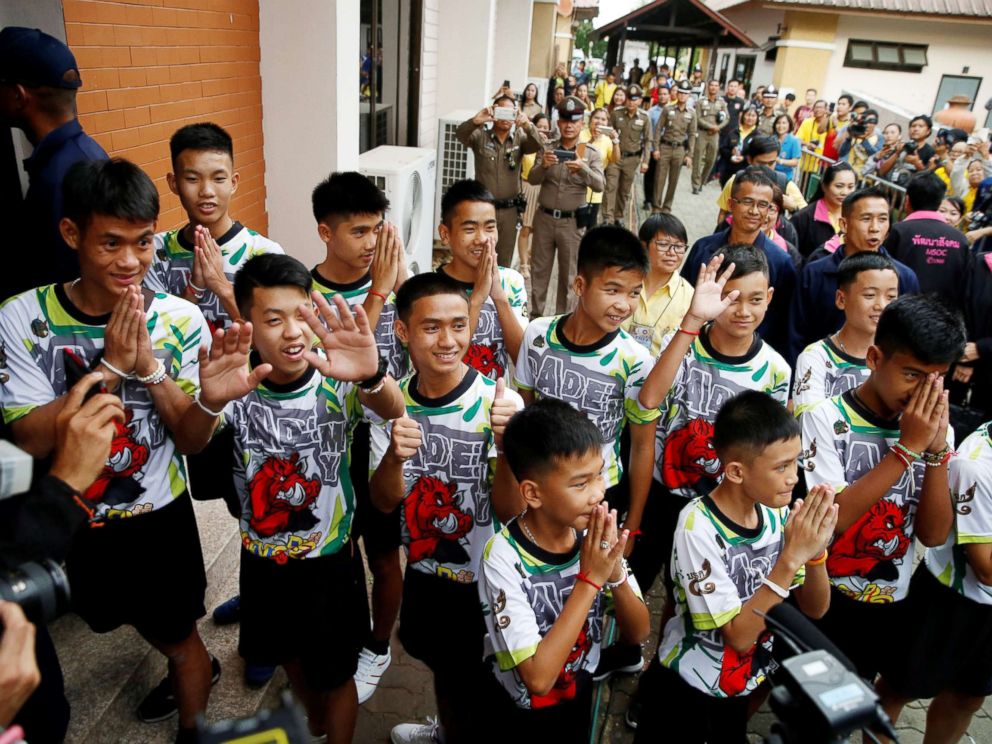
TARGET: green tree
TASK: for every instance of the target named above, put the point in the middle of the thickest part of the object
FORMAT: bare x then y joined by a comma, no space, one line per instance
583,32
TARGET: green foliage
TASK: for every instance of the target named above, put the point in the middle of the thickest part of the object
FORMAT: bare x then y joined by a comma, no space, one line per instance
583,31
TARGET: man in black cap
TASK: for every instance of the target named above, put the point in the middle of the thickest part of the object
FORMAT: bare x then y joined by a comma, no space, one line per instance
769,111
633,130
674,140
38,83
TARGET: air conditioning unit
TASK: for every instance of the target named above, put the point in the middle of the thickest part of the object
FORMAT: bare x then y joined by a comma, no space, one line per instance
406,175
455,162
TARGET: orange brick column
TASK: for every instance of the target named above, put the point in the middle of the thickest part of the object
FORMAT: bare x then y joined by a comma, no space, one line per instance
151,66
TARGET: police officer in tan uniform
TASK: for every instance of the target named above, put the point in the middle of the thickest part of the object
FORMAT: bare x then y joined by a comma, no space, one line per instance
769,111
498,151
561,200
711,117
633,128
674,140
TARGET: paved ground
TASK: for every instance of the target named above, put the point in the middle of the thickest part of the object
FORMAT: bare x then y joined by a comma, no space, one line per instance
107,675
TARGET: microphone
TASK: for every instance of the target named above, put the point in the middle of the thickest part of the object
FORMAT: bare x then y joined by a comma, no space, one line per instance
789,621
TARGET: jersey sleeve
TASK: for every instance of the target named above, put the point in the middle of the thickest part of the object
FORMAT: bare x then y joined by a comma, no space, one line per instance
155,277
809,385
510,619
26,386
971,490
184,341
710,593
523,373
516,294
641,364
822,462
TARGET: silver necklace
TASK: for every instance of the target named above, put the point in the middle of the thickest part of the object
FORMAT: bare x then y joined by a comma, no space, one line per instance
836,338
68,290
530,535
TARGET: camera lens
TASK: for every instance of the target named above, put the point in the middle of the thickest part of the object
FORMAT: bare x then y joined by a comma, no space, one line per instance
41,589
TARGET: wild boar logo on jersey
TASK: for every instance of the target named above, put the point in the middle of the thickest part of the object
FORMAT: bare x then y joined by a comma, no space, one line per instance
435,522
564,688
115,485
869,547
482,357
738,668
281,496
689,455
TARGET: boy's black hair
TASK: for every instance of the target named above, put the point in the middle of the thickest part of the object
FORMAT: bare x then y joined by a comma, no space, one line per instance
925,119
850,267
347,193
754,175
544,434
925,191
762,144
848,97
113,188
923,326
610,246
746,259
428,284
205,136
872,192
466,190
269,270
665,223
751,421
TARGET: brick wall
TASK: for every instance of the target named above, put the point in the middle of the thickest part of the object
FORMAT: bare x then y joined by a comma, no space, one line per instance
151,66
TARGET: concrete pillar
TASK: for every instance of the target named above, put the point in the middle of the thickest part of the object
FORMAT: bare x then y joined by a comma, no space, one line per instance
512,44
466,38
310,52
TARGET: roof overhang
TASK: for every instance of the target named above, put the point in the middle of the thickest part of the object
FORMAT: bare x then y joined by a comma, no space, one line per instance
677,22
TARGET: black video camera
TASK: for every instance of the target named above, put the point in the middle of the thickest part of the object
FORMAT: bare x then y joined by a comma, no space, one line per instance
910,147
41,588
857,127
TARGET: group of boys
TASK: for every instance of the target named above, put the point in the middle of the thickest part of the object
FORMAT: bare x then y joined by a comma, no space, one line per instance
359,402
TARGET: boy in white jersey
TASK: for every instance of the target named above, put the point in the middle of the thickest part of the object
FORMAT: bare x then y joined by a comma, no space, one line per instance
444,470
292,412
946,651
497,296
739,551
146,345
365,263
548,577
884,447
866,283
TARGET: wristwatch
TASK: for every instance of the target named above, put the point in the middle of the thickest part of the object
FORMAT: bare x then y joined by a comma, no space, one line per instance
375,379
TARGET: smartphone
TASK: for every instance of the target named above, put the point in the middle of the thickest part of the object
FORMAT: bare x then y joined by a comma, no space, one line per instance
504,113
506,83
564,155
608,131
76,370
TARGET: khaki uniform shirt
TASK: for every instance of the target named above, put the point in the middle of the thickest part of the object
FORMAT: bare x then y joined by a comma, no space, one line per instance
713,113
766,123
675,126
561,189
497,164
634,132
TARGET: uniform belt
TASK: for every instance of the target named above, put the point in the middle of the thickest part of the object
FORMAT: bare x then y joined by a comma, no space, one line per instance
680,143
507,203
558,214
632,154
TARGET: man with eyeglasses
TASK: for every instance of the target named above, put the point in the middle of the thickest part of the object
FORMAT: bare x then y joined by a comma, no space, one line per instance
750,201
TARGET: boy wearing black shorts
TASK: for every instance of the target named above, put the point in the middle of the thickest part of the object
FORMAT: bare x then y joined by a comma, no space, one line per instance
364,264
443,469
292,412
545,622
146,345
739,551
884,447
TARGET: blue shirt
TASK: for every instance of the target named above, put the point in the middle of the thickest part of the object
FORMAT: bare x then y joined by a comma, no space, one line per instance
781,276
52,260
654,113
814,309
791,149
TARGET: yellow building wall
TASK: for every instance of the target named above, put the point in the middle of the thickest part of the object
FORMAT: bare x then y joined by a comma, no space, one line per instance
542,38
799,67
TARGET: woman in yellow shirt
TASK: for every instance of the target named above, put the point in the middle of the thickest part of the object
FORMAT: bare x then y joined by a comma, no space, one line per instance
608,146
665,296
530,191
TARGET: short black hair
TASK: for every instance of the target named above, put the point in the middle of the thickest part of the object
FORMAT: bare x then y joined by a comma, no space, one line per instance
762,144
269,270
610,246
851,266
872,192
754,175
347,193
860,104
113,188
205,136
665,223
746,259
846,96
925,191
751,421
544,434
790,96
925,119
870,112
466,190
428,284
923,326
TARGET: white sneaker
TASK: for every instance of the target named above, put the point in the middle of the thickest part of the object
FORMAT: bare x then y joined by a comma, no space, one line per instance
371,667
417,733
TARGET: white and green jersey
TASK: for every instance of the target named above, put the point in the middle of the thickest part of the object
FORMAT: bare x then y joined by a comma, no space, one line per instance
717,566
172,265
523,591
872,561
447,515
823,371
685,461
487,352
603,380
292,445
970,475
37,328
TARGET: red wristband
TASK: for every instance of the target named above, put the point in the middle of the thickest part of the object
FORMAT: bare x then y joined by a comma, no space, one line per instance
582,577
688,333
635,533
380,295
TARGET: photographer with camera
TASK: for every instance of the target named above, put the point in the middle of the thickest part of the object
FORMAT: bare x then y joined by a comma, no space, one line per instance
859,140
915,154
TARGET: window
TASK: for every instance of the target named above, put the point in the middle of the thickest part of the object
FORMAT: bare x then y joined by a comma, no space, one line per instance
724,67
886,55
956,85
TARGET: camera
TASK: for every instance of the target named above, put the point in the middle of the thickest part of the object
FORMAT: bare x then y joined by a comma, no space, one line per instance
858,127
910,147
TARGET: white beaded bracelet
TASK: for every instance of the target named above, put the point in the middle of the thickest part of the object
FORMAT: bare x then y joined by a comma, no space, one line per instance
623,579
119,373
783,593
199,404
157,375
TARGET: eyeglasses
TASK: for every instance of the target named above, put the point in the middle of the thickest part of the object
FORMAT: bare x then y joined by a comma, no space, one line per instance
665,247
751,204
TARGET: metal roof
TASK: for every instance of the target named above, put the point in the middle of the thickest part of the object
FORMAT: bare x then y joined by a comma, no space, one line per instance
959,8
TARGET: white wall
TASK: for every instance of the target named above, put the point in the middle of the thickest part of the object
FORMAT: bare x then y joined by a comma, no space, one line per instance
309,67
758,24
952,46
466,35
429,74
511,50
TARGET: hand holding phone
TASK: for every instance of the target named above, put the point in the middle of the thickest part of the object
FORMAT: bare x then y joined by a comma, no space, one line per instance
564,155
